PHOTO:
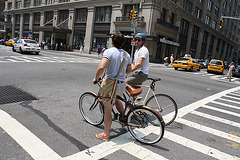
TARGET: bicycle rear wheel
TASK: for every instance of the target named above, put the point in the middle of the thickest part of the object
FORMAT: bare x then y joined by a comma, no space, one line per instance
165,106
91,109
145,125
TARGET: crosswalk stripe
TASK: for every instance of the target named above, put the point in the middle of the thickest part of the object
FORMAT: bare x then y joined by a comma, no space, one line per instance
222,120
198,147
232,97
21,59
229,100
221,110
123,142
209,130
33,59
233,94
225,105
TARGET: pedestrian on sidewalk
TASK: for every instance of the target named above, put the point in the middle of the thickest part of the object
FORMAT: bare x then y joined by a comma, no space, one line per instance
171,59
231,67
98,50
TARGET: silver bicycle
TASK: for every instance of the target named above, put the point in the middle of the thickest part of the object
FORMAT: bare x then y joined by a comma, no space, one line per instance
162,103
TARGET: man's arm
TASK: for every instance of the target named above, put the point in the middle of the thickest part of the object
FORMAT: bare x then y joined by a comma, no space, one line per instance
103,64
129,69
138,64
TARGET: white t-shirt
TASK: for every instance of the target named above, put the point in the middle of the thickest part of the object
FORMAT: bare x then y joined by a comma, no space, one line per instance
142,53
115,56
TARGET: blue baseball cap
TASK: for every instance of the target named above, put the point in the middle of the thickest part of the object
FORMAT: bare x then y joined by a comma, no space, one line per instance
141,35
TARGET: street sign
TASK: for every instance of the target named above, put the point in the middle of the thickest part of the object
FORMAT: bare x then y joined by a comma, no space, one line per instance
131,29
133,42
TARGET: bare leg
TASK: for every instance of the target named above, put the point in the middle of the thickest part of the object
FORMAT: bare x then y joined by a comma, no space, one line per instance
107,118
119,106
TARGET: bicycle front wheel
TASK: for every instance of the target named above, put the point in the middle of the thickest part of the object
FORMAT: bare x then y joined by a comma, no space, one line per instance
145,125
165,106
91,109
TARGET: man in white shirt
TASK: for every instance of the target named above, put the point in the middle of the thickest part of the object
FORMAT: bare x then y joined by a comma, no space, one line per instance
140,63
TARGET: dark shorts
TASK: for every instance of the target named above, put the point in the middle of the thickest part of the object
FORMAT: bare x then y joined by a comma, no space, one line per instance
136,79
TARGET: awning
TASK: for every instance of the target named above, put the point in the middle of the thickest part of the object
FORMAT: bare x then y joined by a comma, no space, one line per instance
52,29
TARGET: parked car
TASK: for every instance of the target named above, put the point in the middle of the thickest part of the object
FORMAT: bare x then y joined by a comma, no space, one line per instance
26,45
10,42
186,63
215,65
236,71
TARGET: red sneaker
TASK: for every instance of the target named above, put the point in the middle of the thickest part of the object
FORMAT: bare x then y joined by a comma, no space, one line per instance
101,136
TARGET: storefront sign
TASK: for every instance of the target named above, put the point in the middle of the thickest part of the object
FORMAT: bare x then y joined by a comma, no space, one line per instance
163,40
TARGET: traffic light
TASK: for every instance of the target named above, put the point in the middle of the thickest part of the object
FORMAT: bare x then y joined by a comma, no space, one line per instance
131,14
221,24
134,16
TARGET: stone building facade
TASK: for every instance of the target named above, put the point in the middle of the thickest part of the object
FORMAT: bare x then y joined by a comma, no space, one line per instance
171,26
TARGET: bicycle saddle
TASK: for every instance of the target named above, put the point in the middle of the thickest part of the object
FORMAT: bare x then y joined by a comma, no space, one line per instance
133,91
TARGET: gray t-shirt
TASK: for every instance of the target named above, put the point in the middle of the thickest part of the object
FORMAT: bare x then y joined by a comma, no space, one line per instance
115,56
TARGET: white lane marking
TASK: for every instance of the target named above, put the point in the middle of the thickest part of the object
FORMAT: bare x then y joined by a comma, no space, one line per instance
221,110
228,100
33,59
123,142
19,58
198,147
225,105
191,107
32,144
234,94
214,118
238,99
209,130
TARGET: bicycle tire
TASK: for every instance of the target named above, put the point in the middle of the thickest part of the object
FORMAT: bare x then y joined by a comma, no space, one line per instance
94,115
145,125
168,106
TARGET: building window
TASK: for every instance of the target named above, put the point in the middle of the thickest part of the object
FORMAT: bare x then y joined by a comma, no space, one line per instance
10,5
27,3
187,6
184,27
61,1
207,19
26,18
48,16
199,1
81,15
49,1
195,32
209,7
17,19
36,17
214,24
163,14
229,10
103,14
63,15
216,11
18,4
198,13
224,4
37,2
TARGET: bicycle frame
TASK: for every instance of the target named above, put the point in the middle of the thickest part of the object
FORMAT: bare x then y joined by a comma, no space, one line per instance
148,92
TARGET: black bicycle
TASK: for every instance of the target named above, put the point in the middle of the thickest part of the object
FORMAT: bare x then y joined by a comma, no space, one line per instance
144,123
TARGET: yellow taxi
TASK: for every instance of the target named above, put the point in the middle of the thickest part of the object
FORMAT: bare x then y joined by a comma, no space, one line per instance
215,65
10,42
186,63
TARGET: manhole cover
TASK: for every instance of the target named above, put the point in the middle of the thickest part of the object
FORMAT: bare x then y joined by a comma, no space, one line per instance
11,94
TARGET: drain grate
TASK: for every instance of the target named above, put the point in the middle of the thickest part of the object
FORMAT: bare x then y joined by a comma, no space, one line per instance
11,94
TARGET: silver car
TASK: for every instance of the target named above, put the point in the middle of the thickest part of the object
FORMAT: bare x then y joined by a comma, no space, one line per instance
26,45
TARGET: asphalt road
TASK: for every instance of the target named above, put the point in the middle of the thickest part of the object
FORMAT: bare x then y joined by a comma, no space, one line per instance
52,127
